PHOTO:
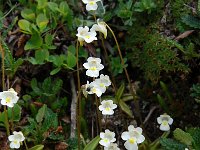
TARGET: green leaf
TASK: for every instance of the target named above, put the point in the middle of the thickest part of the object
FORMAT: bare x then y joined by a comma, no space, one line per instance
28,14
37,147
53,72
195,133
41,4
42,22
64,8
34,86
71,60
119,93
162,103
191,21
16,111
41,55
24,25
72,49
35,42
125,108
93,144
183,136
53,6
170,144
48,39
41,113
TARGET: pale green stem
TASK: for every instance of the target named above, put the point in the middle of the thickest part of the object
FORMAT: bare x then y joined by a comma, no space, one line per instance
25,145
3,86
127,76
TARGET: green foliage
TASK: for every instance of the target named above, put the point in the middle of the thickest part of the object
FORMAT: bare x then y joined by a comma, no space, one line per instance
155,55
37,147
39,128
183,137
189,139
46,92
118,99
144,5
13,113
92,144
170,144
195,133
116,65
195,92
11,65
191,21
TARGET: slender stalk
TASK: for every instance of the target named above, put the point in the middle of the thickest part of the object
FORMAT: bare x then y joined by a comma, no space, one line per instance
107,59
3,87
6,121
2,67
25,145
98,114
78,98
127,76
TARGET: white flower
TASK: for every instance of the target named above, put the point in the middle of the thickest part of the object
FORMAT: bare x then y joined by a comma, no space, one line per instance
15,139
107,138
132,137
9,98
84,35
107,107
112,146
94,66
91,4
131,144
164,121
96,89
104,81
101,27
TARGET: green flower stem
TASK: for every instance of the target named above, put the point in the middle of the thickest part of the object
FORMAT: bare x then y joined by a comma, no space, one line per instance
98,113
154,145
6,121
12,120
107,59
3,87
25,145
127,76
78,98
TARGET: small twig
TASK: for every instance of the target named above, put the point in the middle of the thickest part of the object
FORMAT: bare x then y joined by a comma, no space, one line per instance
150,113
73,108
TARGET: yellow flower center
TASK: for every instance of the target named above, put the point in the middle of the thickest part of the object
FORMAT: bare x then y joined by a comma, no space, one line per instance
93,68
107,108
92,3
87,36
94,90
8,99
101,85
132,140
165,122
106,140
15,142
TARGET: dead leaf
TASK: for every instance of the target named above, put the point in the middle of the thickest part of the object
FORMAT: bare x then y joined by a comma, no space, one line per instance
184,35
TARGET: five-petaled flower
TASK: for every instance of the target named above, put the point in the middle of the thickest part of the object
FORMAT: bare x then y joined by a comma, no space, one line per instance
9,98
164,121
101,27
85,35
107,138
107,107
93,66
16,139
91,4
132,137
